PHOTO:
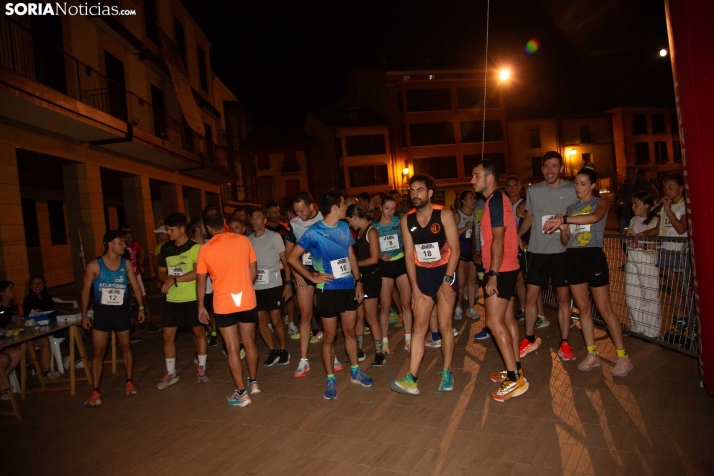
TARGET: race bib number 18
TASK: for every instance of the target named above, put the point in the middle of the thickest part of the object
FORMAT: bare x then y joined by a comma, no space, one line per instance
388,243
428,252
341,268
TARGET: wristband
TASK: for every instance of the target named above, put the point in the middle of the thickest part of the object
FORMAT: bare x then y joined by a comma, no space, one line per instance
565,220
141,308
288,282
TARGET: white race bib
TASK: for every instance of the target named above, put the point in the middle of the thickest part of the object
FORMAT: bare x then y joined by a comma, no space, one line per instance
307,259
112,296
545,219
428,252
341,267
467,234
389,243
262,277
575,229
176,271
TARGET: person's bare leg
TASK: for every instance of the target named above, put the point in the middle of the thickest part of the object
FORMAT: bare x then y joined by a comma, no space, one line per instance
264,330
405,296
247,334
278,326
444,312
532,293
564,312
349,322
199,338
305,297
329,333
230,338
99,348
495,320
124,340
521,290
471,282
512,325
461,273
422,316
45,353
601,296
169,335
582,301
370,314
385,300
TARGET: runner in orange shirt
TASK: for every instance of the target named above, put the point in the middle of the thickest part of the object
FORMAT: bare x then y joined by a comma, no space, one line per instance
230,261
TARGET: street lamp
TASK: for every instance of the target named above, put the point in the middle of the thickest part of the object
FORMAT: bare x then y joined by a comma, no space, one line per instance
572,153
663,52
504,74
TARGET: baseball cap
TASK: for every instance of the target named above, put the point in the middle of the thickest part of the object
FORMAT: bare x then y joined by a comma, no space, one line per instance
161,229
111,235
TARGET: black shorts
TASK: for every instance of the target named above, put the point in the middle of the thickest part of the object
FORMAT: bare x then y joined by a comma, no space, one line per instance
242,317
332,303
112,318
466,256
269,299
430,280
544,268
587,265
392,269
372,285
208,302
506,284
179,314
524,259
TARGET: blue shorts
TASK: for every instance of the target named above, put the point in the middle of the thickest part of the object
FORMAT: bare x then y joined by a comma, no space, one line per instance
429,280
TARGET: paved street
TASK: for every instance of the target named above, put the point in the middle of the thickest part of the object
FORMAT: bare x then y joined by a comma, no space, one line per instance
656,421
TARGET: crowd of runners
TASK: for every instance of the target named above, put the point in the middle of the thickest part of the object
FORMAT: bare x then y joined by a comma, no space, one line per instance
370,262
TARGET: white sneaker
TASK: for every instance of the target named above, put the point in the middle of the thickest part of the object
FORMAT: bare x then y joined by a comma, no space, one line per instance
456,333
434,344
542,322
292,329
286,319
337,365
473,314
458,312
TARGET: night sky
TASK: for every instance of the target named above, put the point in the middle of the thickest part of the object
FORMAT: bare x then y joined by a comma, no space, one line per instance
284,58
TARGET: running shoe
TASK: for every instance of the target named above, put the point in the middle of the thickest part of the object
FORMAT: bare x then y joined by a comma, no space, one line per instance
482,335
367,330
623,367
458,313
385,349
362,379
499,377
293,331
542,322
406,385
316,338
565,352
589,362
273,358
213,341
473,314
51,375
153,328
456,333
167,381
360,355
94,399
526,346
286,319
254,387
242,352
134,339
434,344
130,389
393,317
337,365
302,369
521,315
400,323
202,377
408,345
284,357
447,381
238,400
331,390
510,389
379,360
224,352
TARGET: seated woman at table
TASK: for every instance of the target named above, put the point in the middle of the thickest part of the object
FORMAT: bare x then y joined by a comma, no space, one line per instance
9,309
38,299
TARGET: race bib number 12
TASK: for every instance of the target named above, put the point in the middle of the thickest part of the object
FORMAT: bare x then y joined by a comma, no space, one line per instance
112,296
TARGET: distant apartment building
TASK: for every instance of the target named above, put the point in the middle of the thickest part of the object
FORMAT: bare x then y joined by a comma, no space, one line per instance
351,151
581,140
281,170
647,138
106,122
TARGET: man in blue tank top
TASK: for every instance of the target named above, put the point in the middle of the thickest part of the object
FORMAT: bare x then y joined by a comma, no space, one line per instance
110,276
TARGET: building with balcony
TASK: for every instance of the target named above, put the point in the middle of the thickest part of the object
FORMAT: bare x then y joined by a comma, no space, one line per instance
647,138
105,122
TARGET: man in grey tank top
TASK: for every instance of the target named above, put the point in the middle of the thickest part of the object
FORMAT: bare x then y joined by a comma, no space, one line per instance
543,201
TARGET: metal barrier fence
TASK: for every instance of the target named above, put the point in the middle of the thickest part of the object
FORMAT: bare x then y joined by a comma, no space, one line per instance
651,290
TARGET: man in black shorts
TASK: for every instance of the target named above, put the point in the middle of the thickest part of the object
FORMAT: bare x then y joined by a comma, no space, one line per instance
110,276
177,270
431,249
230,261
499,251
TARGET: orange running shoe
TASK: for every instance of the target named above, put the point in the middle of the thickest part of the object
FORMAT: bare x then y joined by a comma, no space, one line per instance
130,389
94,399
565,352
526,346
510,389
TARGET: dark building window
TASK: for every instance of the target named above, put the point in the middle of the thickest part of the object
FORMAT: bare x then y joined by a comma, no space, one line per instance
290,162
368,175
658,124
180,40
209,141
404,137
365,145
587,159
432,133
642,152
437,167
472,98
152,29
338,146
640,124
534,138
661,152
400,105
263,162
537,166
341,178
677,152
58,230
470,160
292,187
585,135
673,123
29,220
472,131
428,100
202,69
159,103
